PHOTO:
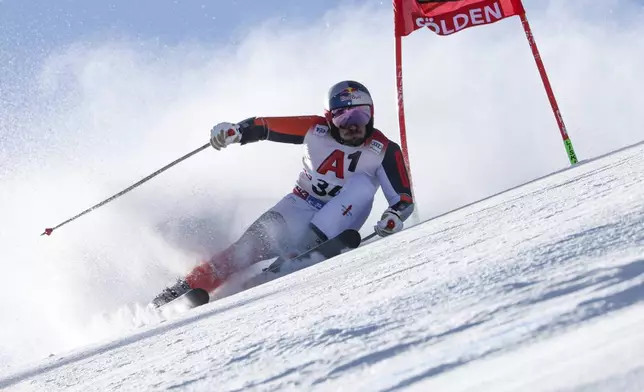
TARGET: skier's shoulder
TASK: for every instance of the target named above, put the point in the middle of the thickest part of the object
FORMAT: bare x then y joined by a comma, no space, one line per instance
378,143
316,121
319,127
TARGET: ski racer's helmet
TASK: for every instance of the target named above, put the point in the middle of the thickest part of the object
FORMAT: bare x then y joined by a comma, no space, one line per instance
349,104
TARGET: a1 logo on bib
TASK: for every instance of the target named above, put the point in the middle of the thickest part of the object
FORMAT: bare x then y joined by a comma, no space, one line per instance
376,146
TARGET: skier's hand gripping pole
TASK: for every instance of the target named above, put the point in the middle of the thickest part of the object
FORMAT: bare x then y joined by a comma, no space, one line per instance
224,134
389,223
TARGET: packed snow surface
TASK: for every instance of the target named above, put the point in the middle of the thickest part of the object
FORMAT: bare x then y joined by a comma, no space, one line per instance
539,288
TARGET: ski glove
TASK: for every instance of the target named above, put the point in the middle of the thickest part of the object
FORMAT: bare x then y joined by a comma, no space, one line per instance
389,223
224,134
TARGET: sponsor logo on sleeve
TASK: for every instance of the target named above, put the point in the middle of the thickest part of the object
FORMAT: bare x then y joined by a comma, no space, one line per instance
376,146
321,130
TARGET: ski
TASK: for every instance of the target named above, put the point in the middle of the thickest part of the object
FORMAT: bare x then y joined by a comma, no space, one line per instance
191,299
348,239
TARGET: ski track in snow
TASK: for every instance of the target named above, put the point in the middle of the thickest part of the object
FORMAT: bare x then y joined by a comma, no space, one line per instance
539,288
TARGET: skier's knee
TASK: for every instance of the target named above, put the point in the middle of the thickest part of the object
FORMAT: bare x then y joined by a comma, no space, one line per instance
265,238
268,222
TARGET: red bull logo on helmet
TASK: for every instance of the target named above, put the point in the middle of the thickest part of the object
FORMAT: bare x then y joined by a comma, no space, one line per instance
348,90
351,94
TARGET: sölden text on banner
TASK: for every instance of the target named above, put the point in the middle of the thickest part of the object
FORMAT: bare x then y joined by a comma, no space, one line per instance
450,16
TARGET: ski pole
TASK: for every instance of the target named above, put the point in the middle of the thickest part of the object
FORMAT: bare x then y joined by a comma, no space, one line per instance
370,236
48,231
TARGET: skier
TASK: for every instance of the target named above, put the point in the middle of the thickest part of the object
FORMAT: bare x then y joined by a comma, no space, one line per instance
345,161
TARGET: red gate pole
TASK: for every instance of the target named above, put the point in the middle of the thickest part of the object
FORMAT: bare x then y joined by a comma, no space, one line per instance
546,84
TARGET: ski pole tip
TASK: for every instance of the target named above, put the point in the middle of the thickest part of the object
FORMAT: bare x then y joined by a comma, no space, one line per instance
47,232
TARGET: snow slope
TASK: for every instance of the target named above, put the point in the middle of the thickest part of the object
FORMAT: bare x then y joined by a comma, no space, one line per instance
539,288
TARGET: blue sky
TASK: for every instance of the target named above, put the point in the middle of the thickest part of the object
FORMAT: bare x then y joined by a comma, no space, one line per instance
34,22
35,25
30,31
30,28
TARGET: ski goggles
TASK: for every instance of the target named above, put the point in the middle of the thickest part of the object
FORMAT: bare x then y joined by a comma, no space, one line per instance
351,115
